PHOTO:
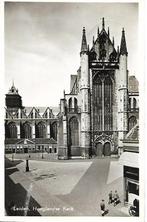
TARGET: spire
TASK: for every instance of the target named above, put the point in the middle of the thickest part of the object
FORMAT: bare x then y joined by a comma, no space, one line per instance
123,47
13,89
117,52
84,42
103,23
98,32
13,83
93,40
113,41
108,32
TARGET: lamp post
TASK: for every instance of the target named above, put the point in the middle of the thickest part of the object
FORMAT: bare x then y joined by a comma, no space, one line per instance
42,152
27,165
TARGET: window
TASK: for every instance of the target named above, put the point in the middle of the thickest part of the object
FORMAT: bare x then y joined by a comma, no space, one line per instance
53,131
27,130
70,105
97,103
108,104
73,131
102,103
40,130
134,103
132,122
12,130
75,105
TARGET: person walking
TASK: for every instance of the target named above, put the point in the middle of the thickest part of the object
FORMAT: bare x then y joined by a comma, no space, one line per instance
116,198
102,206
110,197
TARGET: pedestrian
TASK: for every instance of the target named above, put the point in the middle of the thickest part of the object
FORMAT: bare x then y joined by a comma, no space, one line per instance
110,197
116,198
102,206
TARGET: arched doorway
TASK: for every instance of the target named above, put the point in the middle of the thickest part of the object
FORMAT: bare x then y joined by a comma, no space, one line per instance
73,136
99,149
74,131
107,149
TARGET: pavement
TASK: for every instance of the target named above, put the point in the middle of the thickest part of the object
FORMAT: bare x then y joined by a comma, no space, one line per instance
62,188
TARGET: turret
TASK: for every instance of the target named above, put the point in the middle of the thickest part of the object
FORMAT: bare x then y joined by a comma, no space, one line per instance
84,42
85,103
122,90
123,46
13,99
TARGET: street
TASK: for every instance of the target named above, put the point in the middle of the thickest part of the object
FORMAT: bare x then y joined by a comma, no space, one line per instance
63,188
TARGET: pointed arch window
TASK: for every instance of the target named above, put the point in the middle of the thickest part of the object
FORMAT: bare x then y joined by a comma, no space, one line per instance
75,105
27,130
53,131
12,130
97,103
40,130
70,105
132,122
74,132
129,103
102,103
108,104
134,103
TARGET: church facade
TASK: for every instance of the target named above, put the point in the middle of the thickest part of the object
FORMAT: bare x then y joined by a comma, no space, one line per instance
102,106
93,119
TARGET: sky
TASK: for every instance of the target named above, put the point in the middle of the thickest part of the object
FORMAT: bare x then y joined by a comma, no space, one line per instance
43,41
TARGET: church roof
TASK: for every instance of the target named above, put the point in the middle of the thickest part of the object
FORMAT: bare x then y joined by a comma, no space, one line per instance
41,110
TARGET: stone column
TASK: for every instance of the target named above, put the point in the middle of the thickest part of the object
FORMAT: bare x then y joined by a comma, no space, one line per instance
85,106
18,130
33,130
48,130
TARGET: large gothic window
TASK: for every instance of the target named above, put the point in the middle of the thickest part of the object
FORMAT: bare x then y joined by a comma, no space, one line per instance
40,130
12,130
97,103
53,132
108,104
132,122
102,103
27,130
74,131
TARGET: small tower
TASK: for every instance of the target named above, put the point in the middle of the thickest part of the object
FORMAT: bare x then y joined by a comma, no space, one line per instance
85,103
122,91
13,99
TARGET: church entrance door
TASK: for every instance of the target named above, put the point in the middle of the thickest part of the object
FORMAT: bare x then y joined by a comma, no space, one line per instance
99,149
107,149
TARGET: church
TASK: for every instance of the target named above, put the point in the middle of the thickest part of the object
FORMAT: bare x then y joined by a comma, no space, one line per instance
102,106
101,109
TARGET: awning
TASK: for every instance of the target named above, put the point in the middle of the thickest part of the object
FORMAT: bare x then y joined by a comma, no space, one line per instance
129,159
